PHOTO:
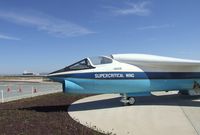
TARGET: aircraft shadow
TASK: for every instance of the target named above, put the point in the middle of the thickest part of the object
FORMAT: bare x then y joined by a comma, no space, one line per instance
166,100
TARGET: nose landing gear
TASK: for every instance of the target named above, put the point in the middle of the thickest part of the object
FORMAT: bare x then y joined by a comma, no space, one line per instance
127,100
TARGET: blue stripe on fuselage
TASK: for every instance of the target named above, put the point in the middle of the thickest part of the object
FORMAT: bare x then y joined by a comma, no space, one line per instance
173,75
106,75
133,75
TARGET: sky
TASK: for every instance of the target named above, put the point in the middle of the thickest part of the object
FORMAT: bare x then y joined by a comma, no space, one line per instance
46,35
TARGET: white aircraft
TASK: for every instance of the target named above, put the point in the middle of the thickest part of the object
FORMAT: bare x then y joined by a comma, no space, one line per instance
130,75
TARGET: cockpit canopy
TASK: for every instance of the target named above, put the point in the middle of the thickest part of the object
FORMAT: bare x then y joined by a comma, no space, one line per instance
100,60
87,63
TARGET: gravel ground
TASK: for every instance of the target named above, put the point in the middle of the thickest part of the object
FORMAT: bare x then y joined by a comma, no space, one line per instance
41,115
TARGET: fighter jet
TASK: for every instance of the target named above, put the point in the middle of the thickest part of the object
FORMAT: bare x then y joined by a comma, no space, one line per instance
130,75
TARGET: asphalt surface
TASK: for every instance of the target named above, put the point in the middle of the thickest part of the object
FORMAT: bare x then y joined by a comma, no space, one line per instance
10,91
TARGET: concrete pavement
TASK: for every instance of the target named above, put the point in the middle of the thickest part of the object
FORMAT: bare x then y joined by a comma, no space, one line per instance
161,114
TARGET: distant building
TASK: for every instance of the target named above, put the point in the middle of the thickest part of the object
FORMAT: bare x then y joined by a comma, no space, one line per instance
28,73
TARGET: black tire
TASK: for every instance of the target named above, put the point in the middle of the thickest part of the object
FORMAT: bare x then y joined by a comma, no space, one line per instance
131,100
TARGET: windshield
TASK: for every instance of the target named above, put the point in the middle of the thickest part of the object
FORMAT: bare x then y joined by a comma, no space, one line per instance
100,60
83,64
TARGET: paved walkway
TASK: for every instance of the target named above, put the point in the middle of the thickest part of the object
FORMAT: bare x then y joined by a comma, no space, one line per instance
10,91
162,114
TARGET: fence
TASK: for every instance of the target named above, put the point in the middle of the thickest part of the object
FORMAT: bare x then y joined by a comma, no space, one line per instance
15,90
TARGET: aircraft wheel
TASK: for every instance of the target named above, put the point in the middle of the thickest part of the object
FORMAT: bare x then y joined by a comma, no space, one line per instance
131,100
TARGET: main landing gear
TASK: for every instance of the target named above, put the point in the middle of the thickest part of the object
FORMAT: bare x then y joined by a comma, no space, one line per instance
127,100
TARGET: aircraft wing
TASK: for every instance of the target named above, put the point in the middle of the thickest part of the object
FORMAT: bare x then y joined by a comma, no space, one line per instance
153,60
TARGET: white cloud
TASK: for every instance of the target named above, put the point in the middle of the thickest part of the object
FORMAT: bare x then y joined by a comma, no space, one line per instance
52,25
8,37
155,27
139,9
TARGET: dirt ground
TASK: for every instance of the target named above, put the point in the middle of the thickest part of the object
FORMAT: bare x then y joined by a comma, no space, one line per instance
46,115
